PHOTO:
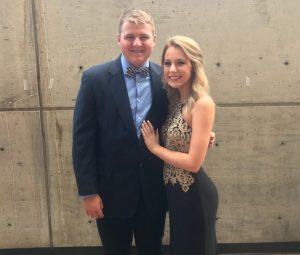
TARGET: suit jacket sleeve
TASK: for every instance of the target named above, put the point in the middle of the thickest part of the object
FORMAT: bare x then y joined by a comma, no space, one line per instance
84,148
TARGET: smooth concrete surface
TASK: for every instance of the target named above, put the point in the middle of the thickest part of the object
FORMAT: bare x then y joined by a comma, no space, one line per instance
256,169
18,86
70,226
23,208
252,54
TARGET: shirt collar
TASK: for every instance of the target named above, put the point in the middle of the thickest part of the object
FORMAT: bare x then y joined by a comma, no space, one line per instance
126,64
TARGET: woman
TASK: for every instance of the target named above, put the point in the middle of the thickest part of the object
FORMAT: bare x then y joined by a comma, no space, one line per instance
192,196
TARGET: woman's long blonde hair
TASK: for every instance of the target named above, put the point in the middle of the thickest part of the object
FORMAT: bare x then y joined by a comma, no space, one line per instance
199,82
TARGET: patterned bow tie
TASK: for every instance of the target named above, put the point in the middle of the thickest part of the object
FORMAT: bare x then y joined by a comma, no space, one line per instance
131,71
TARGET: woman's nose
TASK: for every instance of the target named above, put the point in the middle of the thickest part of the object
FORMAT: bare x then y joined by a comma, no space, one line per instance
173,68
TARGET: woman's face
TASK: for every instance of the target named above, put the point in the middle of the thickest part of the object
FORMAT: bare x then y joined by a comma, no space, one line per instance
177,70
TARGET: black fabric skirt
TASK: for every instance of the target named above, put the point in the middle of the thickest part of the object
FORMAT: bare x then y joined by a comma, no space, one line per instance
193,217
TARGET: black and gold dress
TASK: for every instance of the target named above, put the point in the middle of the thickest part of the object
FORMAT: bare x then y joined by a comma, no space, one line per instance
192,197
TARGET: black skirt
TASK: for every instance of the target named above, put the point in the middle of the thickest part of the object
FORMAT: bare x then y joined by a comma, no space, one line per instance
192,216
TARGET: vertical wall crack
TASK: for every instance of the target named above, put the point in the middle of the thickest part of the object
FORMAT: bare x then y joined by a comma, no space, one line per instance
40,110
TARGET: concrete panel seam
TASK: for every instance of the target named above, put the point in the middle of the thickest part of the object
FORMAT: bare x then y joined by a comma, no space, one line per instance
258,104
40,110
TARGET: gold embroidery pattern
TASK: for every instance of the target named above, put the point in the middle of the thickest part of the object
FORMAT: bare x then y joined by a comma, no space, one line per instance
177,136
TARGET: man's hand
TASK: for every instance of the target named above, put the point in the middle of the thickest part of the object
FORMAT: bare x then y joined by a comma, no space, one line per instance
93,206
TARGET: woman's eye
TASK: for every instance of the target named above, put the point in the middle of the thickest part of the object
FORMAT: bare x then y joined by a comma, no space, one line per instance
167,63
180,63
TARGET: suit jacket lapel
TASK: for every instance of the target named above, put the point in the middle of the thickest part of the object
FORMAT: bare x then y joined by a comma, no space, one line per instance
156,89
119,92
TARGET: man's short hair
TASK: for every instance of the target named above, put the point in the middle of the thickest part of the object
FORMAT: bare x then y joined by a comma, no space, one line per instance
136,16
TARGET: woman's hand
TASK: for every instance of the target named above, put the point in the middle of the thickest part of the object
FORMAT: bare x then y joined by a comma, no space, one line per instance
151,137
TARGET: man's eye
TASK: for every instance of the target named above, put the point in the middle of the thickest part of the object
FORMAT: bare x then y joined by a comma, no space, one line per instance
130,38
144,38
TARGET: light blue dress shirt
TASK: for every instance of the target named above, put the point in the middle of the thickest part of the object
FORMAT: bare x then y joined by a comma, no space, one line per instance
139,93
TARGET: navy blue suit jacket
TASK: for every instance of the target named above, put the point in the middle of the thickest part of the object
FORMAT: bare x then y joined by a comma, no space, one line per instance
108,157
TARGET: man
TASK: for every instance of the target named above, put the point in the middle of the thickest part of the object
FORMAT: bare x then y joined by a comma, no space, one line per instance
120,181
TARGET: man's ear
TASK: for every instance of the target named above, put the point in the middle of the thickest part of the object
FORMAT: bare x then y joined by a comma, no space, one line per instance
118,38
154,39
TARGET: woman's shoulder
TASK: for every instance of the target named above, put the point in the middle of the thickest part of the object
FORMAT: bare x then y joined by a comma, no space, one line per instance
204,101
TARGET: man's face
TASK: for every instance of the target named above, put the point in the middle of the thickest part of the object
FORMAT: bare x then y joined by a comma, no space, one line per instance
136,42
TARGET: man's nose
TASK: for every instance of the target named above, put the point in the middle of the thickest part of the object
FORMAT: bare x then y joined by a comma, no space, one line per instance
137,42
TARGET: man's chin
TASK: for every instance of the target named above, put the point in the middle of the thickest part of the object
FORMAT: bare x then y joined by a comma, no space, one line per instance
138,62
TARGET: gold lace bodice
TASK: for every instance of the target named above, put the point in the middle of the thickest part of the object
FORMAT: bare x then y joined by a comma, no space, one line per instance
176,135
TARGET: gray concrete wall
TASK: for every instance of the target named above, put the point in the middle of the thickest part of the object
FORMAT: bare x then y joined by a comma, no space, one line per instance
252,52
